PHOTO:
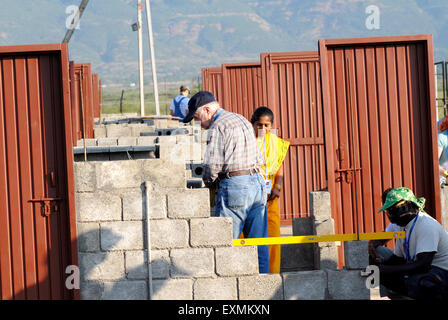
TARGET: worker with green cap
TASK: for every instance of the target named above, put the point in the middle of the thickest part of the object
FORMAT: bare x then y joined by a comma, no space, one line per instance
419,266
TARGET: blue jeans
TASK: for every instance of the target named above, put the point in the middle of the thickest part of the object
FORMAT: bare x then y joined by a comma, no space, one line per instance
243,198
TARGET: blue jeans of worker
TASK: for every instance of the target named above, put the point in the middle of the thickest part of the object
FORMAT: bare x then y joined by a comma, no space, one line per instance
243,198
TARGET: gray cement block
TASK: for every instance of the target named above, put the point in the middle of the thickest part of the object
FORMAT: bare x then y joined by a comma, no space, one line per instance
305,285
122,235
85,179
88,236
135,265
91,290
119,174
320,205
99,132
211,232
189,203
166,140
99,206
156,203
133,206
127,141
261,287
125,290
160,264
304,252
173,289
115,131
215,289
236,261
326,257
347,285
146,141
158,172
101,265
161,123
324,227
192,262
356,254
89,143
107,142
176,229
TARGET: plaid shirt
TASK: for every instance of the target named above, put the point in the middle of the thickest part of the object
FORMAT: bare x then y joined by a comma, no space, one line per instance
231,146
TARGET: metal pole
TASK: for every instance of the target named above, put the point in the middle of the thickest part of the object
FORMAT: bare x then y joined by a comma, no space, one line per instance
140,58
153,59
148,246
75,21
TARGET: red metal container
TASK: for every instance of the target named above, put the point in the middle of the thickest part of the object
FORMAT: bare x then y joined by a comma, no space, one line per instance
380,125
37,204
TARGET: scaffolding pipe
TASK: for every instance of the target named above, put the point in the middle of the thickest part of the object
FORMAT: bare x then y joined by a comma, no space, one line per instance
153,59
140,58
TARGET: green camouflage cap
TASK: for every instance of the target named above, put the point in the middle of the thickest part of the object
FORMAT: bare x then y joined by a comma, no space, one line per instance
401,193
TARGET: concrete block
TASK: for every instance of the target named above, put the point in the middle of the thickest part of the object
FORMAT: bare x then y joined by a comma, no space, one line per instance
115,131
211,232
347,285
305,285
156,204
356,254
215,289
106,142
295,257
169,234
174,153
160,264
320,205
85,179
146,141
161,123
101,265
98,206
192,262
133,206
166,140
135,265
127,141
304,252
119,174
89,143
236,261
173,289
261,287
99,132
189,203
323,227
88,236
326,257
136,131
125,290
158,172
122,235
91,290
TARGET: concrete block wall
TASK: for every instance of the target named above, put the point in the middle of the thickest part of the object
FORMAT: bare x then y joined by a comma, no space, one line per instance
191,254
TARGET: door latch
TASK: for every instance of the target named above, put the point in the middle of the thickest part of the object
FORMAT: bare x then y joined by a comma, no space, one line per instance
46,205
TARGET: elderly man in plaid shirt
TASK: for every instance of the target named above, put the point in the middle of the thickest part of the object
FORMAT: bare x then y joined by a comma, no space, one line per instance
232,160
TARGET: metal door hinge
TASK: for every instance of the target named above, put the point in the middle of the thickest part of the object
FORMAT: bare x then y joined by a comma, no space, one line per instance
46,205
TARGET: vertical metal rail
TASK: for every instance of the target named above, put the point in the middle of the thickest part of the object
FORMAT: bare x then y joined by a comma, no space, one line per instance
353,148
153,59
83,115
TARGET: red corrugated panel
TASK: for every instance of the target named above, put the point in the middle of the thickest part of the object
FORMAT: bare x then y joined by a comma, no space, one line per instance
243,88
96,95
212,81
380,125
74,105
291,85
36,163
84,94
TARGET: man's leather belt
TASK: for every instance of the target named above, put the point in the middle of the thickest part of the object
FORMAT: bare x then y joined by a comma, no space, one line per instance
224,175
